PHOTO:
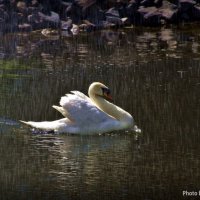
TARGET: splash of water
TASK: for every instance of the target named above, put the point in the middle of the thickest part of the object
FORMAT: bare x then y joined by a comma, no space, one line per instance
136,129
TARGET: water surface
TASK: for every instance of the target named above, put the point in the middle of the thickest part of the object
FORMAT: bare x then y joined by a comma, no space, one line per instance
153,74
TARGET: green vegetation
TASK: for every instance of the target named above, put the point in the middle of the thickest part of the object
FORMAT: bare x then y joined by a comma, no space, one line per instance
12,65
12,69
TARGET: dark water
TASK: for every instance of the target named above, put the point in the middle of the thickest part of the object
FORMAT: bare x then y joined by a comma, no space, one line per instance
153,74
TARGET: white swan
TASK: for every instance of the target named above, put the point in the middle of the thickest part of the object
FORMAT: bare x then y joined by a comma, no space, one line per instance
84,115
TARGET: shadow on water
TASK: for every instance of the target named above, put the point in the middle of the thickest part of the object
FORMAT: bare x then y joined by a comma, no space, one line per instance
153,74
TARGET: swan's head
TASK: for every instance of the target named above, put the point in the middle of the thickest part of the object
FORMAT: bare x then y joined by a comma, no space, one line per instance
99,89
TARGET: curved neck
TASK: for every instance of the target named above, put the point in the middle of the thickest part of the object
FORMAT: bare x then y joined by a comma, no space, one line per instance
109,108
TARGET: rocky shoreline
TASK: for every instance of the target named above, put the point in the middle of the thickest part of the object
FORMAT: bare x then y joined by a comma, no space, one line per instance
90,15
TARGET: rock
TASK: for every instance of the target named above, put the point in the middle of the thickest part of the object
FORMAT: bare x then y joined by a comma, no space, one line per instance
121,7
158,3
169,15
53,17
75,29
87,26
114,20
33,3
21,6
45,7
185,9
24,27
66,25
50,21
89,15
32,10
113,12
69,29
113,16
74,12
147,3
93,14
196,13
186,5
169,12
150,3
147,10
106,25
136,2
132,13
125,20
85,3
150,16
36,22
175,2
63,7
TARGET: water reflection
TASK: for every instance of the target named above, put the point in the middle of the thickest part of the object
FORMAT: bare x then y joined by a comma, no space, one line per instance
65,165
143,43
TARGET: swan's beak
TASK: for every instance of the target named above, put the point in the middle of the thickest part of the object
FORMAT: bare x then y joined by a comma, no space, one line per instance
108,96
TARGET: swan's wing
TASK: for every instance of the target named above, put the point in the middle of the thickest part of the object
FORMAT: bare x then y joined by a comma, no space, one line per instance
82,111
63,111
81,95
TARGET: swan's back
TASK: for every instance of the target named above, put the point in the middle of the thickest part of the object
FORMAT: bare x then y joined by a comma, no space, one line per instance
82,111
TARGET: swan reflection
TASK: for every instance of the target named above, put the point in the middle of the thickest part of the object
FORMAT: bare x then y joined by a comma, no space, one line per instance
73,159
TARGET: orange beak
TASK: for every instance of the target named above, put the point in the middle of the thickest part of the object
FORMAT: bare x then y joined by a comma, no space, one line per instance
108,96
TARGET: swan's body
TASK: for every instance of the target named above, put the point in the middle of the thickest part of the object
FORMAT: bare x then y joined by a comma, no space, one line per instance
84,115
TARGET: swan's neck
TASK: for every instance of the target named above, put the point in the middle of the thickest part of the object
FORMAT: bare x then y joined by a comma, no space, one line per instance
111,109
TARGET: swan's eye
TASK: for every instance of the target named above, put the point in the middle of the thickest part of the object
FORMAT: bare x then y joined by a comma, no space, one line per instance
106,90
106,93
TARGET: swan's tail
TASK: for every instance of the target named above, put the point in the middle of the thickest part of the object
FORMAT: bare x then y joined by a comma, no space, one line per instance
61,125
27,123
47,126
